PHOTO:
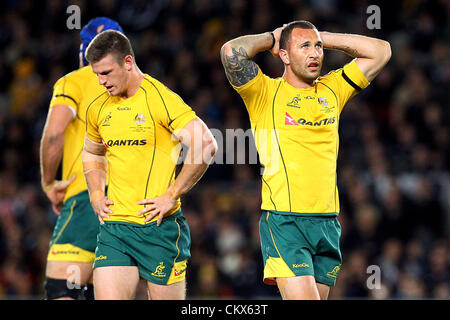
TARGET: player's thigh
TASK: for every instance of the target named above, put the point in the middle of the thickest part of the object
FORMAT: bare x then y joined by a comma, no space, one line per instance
115,282
328,259
76,272
175,291
324,290
298,288
73,242
162,253
74,237
286,250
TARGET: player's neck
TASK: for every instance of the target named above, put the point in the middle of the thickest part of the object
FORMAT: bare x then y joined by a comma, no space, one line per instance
296,81
135,80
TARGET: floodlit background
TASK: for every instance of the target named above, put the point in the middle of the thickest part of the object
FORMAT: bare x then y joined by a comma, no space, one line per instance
393,167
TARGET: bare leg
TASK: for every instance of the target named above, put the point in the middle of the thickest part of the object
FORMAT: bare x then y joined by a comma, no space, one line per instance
77,272
175,291
324,290
115,283
298,288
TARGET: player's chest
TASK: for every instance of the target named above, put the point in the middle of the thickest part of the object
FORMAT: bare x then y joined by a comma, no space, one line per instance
305,112
126,124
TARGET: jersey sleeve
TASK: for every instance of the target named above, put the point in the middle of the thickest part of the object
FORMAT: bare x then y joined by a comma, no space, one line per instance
67,92
346,82
174,114
254,94
92,125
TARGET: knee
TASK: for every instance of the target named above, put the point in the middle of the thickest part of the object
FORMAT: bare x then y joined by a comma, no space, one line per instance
60,288
298,288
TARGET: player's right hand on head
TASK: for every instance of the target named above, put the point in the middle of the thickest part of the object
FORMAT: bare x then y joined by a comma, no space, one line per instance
276,47
101,208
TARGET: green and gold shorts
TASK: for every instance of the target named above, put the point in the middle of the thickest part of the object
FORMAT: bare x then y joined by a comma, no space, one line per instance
160,253
295,245
75,234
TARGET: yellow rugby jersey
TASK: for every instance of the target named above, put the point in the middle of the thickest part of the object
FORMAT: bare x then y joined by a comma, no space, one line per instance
296,135
141,150
75,90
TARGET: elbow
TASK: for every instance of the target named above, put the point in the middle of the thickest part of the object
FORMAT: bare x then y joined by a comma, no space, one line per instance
386,51
209,150
52,137
212,147
224,49
227,48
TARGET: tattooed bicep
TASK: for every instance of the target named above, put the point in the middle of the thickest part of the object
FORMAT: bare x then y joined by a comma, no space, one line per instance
238,66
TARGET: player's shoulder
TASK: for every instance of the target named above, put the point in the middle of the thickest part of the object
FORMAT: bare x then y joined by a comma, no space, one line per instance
268,77
157,90
347,77
75,75
150,83
339,74
264,79
97,102
84,72
258,82
80,77
331,76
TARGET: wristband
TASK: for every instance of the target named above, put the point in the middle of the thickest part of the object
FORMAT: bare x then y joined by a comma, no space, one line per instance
49,187
273,40
96,195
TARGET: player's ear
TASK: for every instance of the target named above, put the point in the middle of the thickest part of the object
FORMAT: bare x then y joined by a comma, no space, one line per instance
284,56
128,61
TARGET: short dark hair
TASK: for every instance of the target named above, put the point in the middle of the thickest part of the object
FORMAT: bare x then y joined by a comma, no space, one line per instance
286,32
109,42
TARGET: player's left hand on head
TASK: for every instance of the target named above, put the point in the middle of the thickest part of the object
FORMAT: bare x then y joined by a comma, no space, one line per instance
160,206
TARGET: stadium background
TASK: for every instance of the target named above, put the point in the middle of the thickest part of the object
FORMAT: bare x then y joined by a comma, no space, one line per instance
393,168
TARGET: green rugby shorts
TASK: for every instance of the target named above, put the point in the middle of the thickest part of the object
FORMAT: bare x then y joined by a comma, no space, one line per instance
75,234
294,245
160,253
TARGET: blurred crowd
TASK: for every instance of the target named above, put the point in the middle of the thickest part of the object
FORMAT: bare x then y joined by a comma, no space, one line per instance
393,166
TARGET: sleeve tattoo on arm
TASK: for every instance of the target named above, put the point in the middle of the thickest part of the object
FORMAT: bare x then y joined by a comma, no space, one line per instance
351,51
238,67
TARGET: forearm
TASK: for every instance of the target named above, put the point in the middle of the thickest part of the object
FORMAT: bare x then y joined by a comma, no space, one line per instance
372,54
251,44
357,46
52,142
96,181
189,175
94,168
196,163
51,151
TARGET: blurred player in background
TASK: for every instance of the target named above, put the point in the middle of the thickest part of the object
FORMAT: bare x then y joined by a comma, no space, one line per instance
300,203
72,246
134,131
